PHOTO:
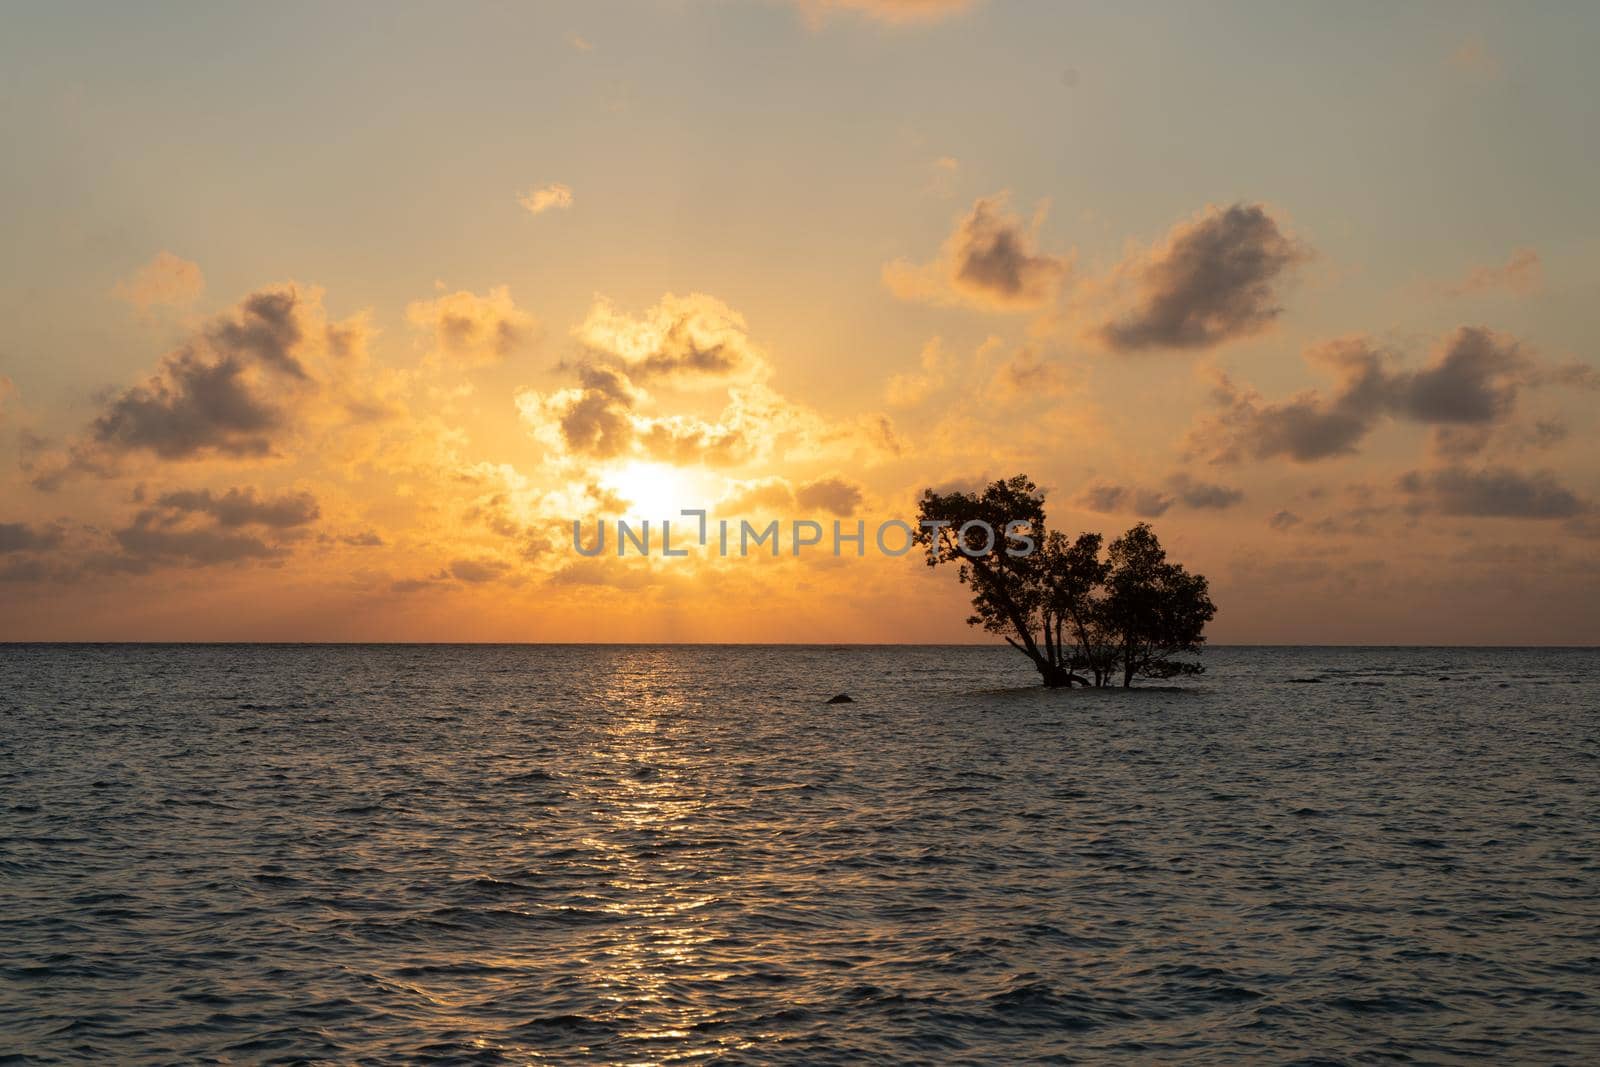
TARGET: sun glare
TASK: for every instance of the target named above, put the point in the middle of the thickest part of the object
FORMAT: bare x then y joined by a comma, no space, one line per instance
655,490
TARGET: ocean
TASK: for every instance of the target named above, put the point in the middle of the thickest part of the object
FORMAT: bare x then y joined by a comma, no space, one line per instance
652,854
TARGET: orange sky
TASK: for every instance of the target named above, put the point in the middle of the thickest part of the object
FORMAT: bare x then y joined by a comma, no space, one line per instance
335,341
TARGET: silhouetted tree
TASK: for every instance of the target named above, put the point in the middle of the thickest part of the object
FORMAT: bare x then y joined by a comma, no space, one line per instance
1153,612
1074,577
1055,599
1008,587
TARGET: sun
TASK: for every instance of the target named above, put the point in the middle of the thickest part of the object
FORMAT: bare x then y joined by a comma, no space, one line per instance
655,491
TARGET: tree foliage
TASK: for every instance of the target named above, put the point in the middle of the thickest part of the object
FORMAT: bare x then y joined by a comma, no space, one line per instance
1084,613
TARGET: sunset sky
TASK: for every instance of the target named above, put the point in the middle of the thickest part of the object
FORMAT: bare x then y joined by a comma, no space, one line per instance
323,322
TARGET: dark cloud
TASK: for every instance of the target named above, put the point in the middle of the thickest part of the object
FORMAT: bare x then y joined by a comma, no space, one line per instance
197,527
469,571
195,405
265,330
1494,492
834,495
476,570
1467,392
224,393
20,537
148,540
990,260
1284,520
1473,379
1213,280
28,569
1304,430
1193,494
1105,498
241,507
1184,491
994,257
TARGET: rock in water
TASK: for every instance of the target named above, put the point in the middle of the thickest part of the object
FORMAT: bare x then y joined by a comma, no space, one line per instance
842,698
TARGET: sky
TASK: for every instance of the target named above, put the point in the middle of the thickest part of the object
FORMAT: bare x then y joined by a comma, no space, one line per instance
326,322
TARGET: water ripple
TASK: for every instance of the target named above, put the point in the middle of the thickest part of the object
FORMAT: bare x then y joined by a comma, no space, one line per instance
648,855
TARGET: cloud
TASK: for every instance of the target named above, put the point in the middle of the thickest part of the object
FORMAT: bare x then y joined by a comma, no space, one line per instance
944,172
224,393
20,537
476,570
1473,379
593,419
1305,428
1494,492
202,528
554,196
1182,490
681,345
695,339
474,330
579,43
833,495
1105,498
909,390
242,507
990,261
147,540
412,585
242,387
466,571
1521,275
891,12
1029,375
596,420
758,495
1583,526
1467,390
1284,520
27,570
1213,279
167,280
1204,495
608,573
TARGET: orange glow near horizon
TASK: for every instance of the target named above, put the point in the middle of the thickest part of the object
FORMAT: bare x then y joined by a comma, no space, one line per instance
371,408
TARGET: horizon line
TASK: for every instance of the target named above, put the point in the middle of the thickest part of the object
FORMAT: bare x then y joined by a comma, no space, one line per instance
731,644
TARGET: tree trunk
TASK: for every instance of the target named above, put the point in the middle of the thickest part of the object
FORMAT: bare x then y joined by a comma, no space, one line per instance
1059,677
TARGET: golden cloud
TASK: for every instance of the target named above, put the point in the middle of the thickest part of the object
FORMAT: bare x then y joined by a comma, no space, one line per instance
474,330
167,280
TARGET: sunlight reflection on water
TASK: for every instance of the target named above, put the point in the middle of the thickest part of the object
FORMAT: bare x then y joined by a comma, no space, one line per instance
402,855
